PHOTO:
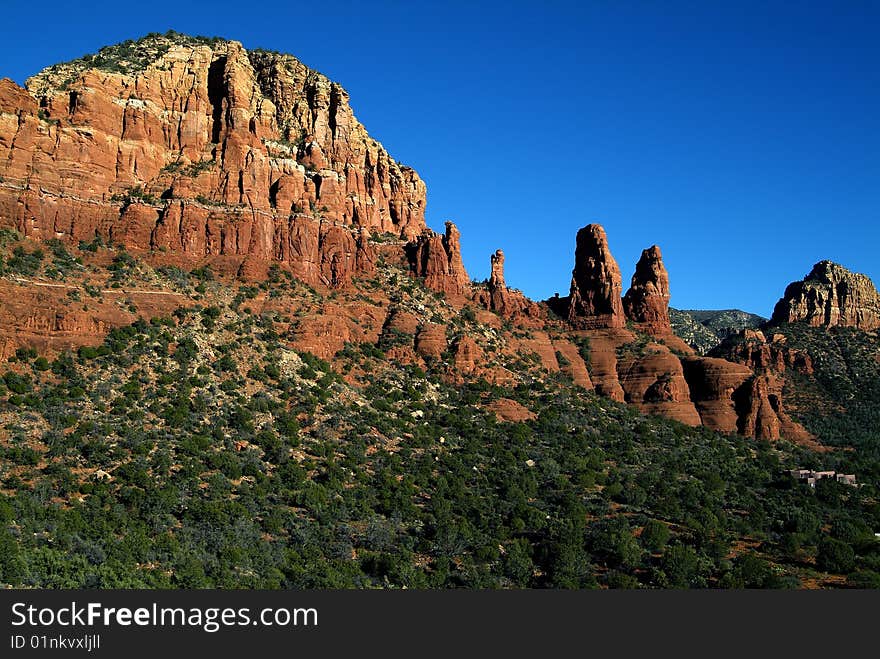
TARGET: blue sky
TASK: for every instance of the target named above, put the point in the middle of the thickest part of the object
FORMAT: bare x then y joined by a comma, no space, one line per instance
742,137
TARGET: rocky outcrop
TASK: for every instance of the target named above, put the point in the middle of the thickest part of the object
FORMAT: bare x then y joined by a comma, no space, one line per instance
713,383
437,260
43,316
500,298
755,350
603,348
496,278
507,410
431,341
401,323
648,366
572,363
466,355
731,398
830,296
324,330
204,149
655,384
506,302
537,343
594,300
647,300
761,413
646,303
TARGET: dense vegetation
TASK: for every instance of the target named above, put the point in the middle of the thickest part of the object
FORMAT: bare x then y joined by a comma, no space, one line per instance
840,402
201,450
704,330
128,57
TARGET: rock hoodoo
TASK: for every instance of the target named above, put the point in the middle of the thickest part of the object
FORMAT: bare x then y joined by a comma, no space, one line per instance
594,301
496,278
506,302
647,366
500,298
830,296
647,300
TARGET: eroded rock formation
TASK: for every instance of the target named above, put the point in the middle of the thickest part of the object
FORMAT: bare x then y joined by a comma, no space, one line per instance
830,296
508,303
755,350
647,300
655,383
594,300
437,259
647,366
205,149
498,293
198,151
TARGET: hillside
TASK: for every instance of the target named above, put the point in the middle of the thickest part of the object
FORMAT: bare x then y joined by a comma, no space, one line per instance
824,340
199,449
840,402
820,341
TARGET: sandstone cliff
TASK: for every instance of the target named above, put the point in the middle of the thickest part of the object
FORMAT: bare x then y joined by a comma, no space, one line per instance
755,350
191,151
830,296
201,148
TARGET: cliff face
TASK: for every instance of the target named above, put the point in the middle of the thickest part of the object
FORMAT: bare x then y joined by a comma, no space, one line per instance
201,149
830,296
755,350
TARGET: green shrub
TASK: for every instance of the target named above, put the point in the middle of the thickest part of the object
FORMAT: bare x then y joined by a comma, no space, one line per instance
835,556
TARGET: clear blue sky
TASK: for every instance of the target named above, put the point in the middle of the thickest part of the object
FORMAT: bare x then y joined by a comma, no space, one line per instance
742,137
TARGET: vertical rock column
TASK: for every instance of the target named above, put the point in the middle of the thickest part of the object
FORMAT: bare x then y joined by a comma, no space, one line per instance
596,284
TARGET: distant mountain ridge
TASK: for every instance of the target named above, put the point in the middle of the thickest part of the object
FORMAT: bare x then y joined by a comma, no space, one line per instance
704,329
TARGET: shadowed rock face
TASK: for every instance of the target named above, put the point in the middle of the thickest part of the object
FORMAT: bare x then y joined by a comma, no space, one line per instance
655,384
594,300
647,300
204,150
830,296
763,355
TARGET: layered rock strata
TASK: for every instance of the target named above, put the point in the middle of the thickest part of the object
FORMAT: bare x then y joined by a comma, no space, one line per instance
206,149
830,296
